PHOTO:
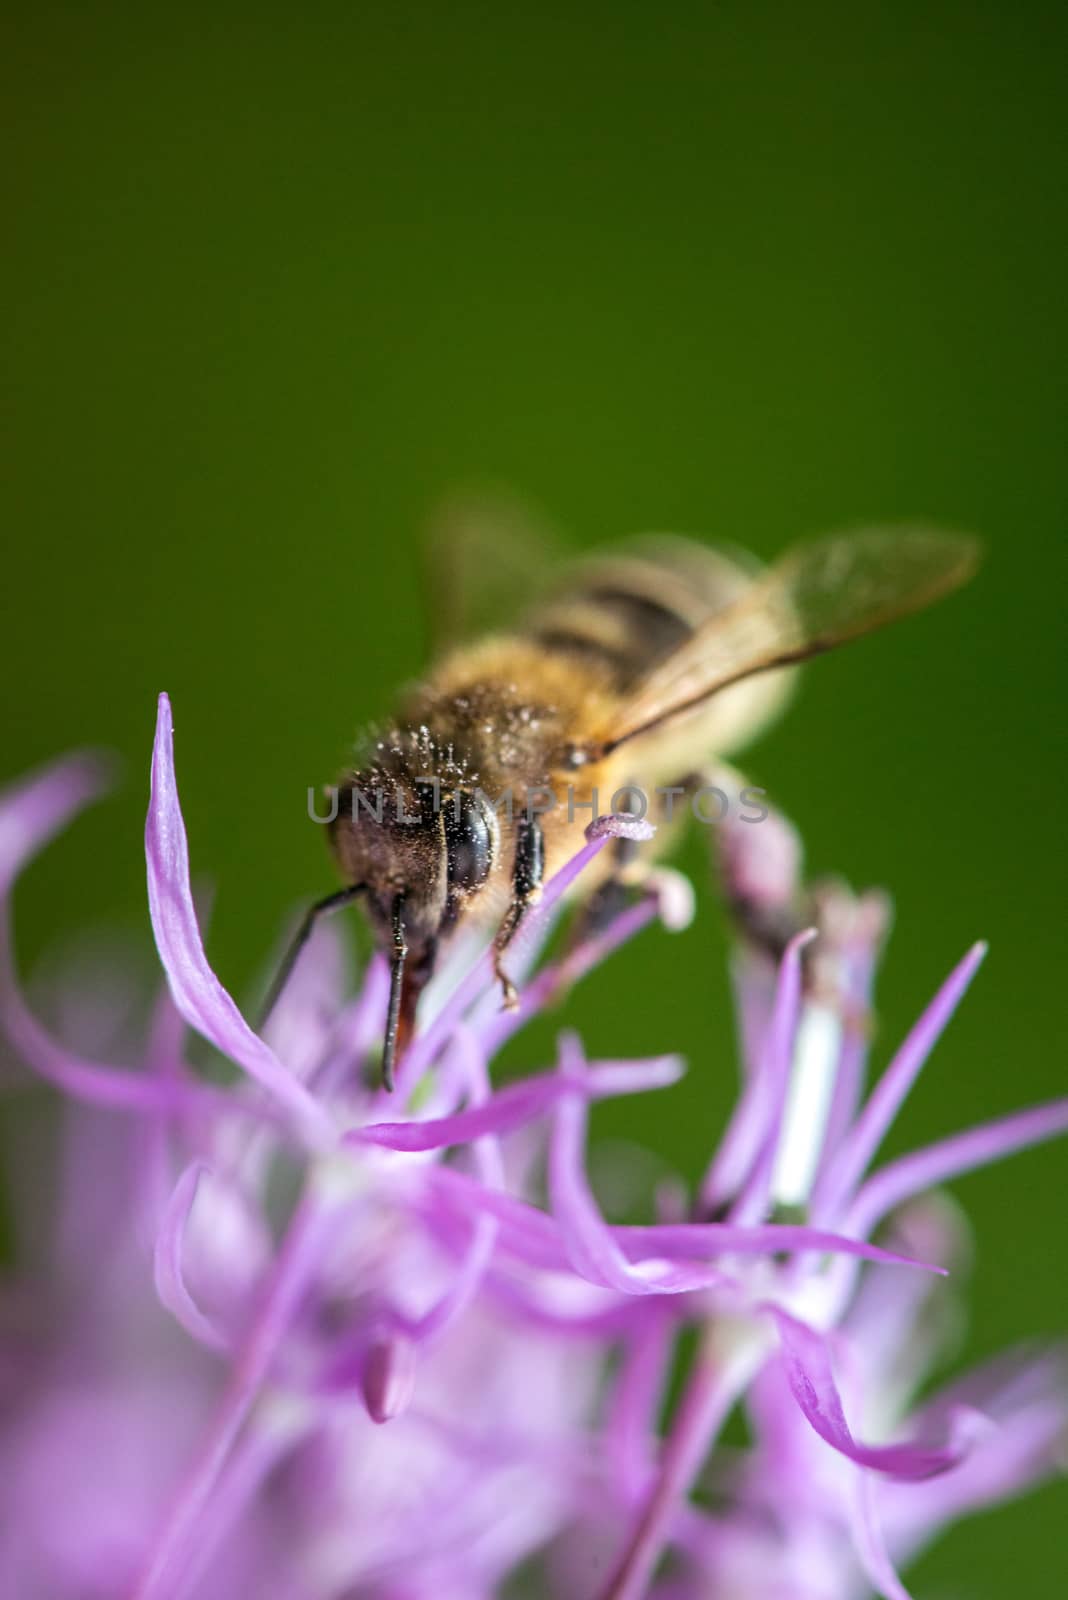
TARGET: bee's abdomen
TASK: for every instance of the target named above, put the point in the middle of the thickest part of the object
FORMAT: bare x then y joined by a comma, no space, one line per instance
626,613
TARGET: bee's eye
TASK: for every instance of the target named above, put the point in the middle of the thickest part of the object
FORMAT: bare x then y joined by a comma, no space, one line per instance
468,841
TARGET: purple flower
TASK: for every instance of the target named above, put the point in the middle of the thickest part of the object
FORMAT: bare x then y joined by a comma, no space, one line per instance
289,1335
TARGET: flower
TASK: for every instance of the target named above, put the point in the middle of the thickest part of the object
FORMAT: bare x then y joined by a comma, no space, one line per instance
294,1336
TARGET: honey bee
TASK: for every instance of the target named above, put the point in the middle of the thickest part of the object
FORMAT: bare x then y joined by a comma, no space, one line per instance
634,670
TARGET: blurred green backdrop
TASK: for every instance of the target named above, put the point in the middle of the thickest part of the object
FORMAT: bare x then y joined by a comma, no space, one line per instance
276,282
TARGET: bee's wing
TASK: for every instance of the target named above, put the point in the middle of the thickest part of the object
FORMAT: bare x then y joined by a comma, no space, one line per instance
817,596
485,555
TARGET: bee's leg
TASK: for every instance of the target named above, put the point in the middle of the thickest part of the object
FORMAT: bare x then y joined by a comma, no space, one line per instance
633,877
526,887
594,915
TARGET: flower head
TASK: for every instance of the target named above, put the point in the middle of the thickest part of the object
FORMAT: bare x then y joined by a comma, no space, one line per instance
316,1339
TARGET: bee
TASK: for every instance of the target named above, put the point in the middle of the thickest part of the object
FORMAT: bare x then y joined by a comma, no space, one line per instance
634,670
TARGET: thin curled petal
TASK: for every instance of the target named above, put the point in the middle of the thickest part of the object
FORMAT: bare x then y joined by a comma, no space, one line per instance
198,994
464,1286
860,1145
588,1241
863,948
774,1079
163,1059
949,1158
807,1362
300,1026
169,1275
38,807
31,814
1027,1375
539,1238
871,1546
527,1232
695,1239
631,1434
490,1166
509,1108
589,1245
516,1105
737,1148
1026,1397
610,1078
389,1375
604,1316
359,1025
96,1083
486,1150
299,1257
391,1366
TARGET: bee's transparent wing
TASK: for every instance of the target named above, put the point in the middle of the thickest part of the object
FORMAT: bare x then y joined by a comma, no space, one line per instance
817,596
485,555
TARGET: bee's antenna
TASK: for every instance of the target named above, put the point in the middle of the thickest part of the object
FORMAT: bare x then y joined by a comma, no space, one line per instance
396,983
321,908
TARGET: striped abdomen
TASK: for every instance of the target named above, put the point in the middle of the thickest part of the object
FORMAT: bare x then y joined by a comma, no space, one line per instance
627,612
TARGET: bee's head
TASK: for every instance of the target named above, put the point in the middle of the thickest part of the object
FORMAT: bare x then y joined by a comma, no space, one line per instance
420,851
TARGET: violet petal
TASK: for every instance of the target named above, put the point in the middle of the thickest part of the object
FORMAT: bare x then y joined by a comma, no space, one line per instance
516,1104
774,1078
696,1239
198,994
389,1376
467,1281
35,809
591,1248
949,1158
859,1146
807,1361
170,1278
871,1546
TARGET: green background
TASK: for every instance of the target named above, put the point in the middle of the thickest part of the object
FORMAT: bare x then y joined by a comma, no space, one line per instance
276,282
